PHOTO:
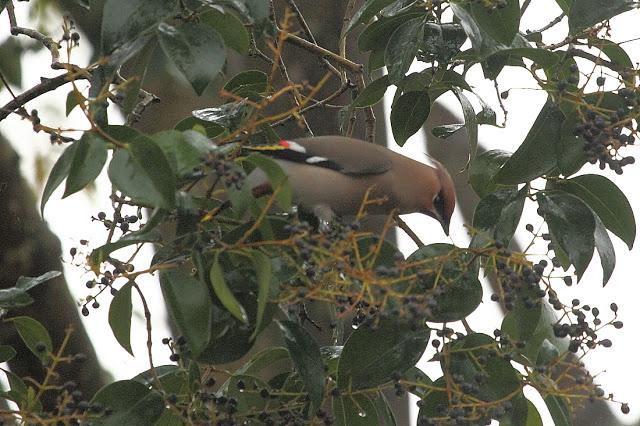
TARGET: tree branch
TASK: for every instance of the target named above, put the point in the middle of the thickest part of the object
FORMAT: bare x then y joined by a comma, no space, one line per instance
321,51
47,42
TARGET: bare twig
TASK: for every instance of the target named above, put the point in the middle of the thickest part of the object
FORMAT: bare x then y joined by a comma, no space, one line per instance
402,225
47,85
593,58
47,42
370,117
321,51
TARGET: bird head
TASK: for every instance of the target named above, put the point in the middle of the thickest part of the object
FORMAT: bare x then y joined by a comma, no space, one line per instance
443,200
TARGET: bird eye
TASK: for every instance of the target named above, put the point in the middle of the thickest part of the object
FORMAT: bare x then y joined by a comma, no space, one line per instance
438,204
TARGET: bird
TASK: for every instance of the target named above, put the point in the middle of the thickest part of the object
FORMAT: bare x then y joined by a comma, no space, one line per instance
331,175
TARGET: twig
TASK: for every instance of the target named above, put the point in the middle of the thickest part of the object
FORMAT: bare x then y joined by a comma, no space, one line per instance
321,51
343,88
348,13
370,117
47,42
47,85
504,109
305,27
147,317
555,21
402,225
593,58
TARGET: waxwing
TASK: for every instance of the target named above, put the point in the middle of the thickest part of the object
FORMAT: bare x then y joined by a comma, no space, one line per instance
330,175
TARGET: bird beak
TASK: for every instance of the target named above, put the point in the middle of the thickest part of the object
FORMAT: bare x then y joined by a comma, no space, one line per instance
443,222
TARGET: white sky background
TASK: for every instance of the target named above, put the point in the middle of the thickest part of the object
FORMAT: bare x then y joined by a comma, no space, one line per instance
70,218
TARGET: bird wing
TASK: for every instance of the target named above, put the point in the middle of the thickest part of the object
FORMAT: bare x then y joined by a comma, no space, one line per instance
356,158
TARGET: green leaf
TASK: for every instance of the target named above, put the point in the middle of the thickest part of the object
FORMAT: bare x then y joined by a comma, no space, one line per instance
211,130
7,353
11,298
264,359
131,402
533,326
585,13
197,50
306,357
137,70
184,150
74,98
88,159
408,114
230,28
374,352
615,52
27,283
355,410
247,400
402,48
142,172
558,410
262,266
372,93
377,33
224,293
500,378
366,12
190,307
607,201
500,23
524,413
470,122
497,216
605,250
59,172
35,336
120,312
124,20
461,291
483,169
447,130
537,153
572,225
277,178
442,41
247,83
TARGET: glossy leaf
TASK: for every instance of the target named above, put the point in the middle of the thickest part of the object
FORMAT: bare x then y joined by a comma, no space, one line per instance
125,20
190,307
58,173
184,150
247,400
607,201
378,32
500,378
264,359
398,347
224,293
366,12
605,250
88,159
210,130
500,23
131,403
537,153
120,312
559,411
402,48
142,172
534,327
572,227
470,122
230,28
497,216
307,360
461,291
262,266
443,41
247,83
35,336
372,93
585,13
196,49
7,353
615,52
523,413
408,114
27,283
483,169
355,410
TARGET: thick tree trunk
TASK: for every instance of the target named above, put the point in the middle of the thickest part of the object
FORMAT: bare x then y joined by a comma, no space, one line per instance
29,248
